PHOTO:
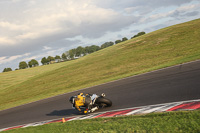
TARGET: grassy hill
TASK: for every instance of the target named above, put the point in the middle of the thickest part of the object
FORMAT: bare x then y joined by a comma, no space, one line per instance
165,47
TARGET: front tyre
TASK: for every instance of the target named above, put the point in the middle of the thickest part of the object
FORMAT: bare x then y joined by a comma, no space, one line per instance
103,101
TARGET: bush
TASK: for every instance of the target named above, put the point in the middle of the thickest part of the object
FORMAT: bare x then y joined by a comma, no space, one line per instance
7,69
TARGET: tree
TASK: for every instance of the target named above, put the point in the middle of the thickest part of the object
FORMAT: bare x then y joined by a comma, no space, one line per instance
7,69
87,50
79,51
30,64
49,59
117,41
44,61
83,52
57,58
72,53
124,39
139,34
107,44
93,48
33,63
23,65
64,56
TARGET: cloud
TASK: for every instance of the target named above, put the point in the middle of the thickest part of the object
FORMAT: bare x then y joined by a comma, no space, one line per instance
185,11
52,21
176,13
5,40
194,13
46,48
140,6
14,1
12,26
4,60
39,56
130,3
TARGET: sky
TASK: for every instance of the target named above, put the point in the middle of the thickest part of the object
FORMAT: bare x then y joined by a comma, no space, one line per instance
33,29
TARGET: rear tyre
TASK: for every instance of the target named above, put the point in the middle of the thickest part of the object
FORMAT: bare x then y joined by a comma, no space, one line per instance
104,101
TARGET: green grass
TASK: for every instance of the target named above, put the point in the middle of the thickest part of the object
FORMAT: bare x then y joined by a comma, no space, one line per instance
16,77
168,122
166,47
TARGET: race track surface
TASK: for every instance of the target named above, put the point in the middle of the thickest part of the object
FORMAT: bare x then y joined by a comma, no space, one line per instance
173,84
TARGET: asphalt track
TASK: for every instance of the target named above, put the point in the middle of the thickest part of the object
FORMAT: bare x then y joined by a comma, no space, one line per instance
178,83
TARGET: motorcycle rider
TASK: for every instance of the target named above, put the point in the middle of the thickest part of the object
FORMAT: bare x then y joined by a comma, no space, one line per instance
89,103
82,101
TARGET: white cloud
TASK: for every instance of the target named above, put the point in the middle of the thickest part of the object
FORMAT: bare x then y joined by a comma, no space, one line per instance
12,26
28,35
6,40
5,59
187,7
39,56
52,52
2,59
61,19
29,58
177,12
14,1
46,48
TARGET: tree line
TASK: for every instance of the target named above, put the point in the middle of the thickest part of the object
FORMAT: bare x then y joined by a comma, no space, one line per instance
71,54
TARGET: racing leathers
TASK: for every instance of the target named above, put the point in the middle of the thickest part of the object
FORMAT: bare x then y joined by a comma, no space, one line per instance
84,101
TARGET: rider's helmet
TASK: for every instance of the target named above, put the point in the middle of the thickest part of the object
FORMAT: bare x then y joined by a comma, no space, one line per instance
71,99
81,94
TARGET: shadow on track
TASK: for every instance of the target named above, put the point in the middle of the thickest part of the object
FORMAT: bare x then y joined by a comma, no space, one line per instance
65,112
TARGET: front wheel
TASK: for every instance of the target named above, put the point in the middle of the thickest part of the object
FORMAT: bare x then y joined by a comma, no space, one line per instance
103,101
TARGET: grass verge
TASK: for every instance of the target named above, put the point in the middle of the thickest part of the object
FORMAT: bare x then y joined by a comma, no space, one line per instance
179,121
166,47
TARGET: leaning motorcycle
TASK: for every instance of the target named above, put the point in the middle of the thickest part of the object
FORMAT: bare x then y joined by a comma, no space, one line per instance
97,102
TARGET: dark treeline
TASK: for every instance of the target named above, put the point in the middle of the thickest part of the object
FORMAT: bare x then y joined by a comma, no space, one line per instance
139,34
7,69
70,55
82,51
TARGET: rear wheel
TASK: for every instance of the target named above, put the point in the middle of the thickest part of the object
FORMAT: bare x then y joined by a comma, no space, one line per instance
104,102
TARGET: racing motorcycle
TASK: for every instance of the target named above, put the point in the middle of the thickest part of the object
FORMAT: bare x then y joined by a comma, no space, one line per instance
95,102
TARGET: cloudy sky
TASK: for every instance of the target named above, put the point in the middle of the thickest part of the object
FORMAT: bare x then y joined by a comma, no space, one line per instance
33,29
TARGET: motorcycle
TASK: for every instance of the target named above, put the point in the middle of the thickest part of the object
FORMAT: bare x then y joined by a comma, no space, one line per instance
95,102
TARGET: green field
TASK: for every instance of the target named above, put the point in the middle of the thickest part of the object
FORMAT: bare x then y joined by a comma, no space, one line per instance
168,122
165,47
